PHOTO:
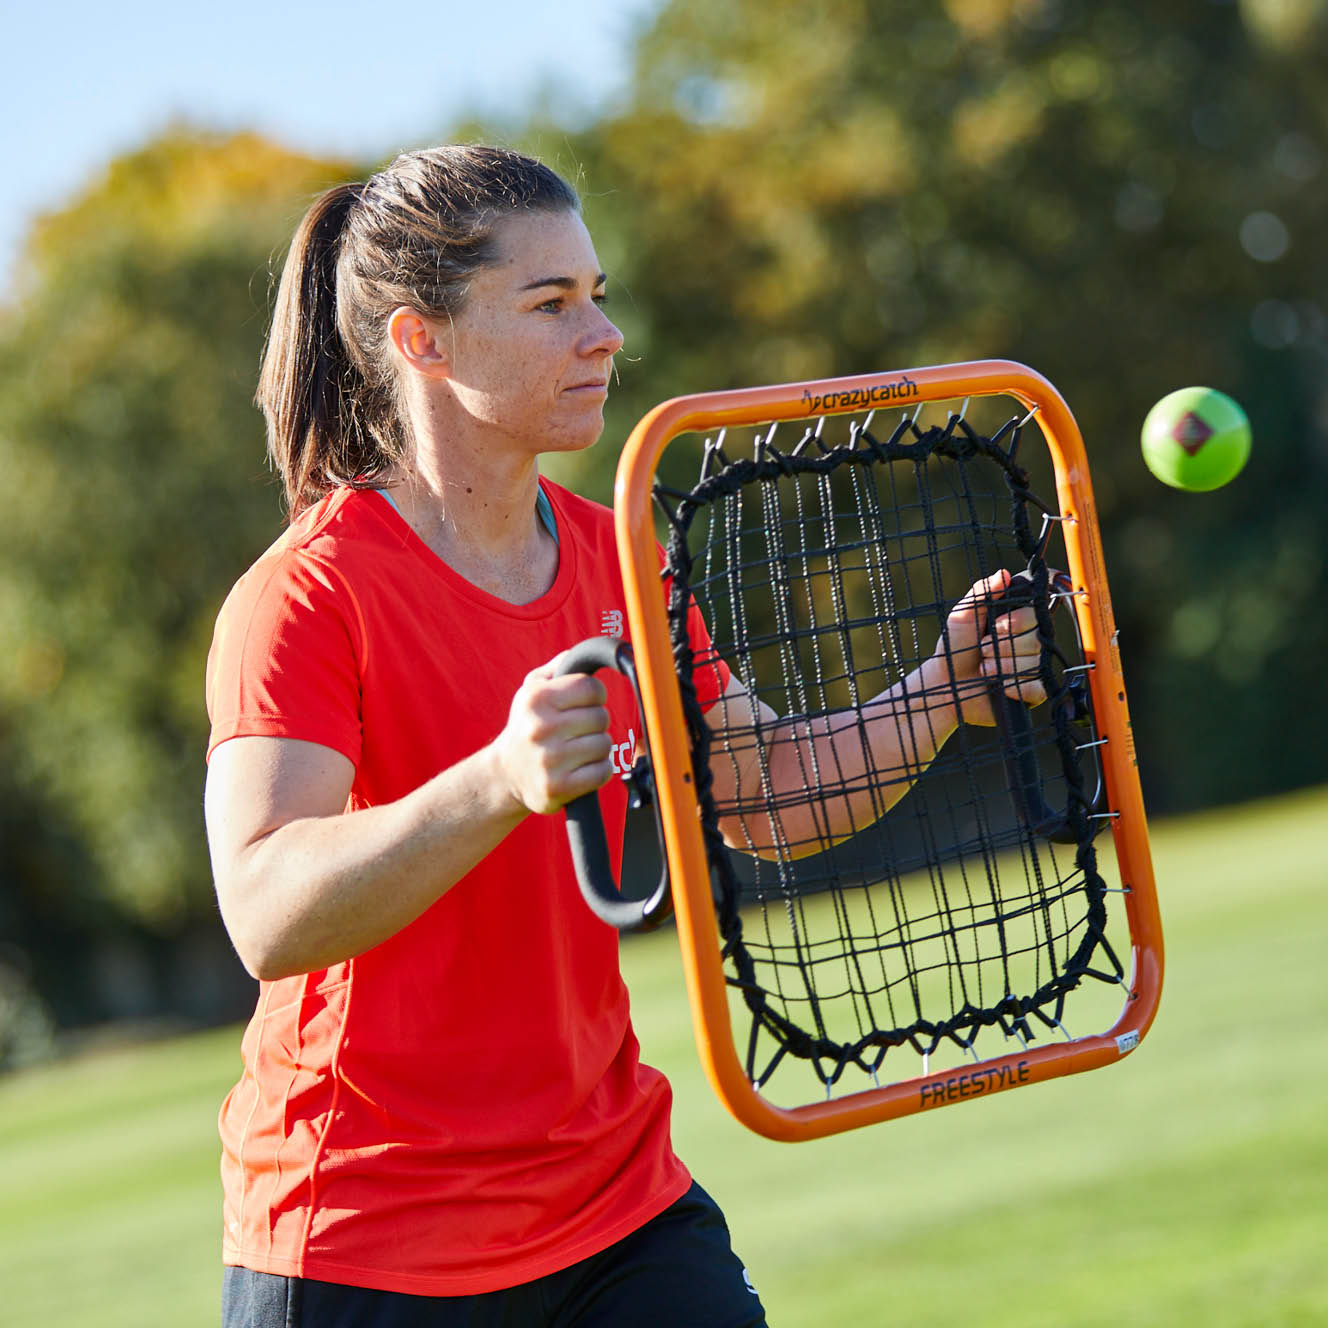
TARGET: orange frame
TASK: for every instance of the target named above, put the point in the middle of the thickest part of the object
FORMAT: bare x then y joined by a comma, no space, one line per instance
662,705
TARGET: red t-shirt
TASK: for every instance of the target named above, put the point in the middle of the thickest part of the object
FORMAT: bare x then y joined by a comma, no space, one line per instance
460,1108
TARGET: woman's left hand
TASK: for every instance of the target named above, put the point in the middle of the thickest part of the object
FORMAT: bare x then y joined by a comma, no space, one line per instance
983,651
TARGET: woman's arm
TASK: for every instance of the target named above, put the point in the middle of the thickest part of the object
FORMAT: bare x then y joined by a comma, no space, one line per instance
304,884
896,735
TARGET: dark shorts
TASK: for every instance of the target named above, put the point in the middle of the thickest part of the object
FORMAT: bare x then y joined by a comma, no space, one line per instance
677,1271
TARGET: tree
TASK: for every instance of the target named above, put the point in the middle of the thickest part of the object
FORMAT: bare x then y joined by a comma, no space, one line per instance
139,491
1126,199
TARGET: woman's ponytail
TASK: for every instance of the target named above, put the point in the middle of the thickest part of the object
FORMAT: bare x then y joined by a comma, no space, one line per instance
309,382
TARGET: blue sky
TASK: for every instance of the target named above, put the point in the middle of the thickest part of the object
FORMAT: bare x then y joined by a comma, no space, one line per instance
84,82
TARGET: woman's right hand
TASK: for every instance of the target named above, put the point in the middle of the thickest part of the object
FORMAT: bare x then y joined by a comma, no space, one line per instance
555,745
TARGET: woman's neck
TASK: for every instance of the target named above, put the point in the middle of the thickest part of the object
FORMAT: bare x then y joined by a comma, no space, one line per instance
480,518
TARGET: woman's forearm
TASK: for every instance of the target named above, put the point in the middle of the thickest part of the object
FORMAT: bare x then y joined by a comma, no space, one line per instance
317,890
795,787
831,777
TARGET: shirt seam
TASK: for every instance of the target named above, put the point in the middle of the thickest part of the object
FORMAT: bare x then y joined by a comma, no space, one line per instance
315,1163
249,1118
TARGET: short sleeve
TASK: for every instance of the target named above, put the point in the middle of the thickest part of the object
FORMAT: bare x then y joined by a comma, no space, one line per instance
286,657
709,672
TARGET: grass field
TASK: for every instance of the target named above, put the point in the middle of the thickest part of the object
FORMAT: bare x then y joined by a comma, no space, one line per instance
1186,1186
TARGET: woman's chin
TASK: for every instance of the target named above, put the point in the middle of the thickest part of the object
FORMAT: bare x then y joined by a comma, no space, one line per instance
574,440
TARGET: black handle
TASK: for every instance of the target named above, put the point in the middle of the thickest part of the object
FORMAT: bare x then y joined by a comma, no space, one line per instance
585,824
1018,746
1022,772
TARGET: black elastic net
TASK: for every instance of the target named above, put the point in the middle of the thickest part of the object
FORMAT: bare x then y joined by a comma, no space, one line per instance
825,575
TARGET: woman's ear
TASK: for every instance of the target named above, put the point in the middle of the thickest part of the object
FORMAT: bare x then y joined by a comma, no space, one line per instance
417,343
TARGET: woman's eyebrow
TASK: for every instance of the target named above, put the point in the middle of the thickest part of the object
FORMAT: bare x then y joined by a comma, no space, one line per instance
563,283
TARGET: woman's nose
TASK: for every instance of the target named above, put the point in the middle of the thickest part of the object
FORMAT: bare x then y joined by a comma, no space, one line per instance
603,337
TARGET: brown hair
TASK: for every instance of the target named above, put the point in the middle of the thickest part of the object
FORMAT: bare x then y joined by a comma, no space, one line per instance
412,235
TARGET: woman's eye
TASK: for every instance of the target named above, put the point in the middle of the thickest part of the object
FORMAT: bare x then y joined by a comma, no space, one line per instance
557,304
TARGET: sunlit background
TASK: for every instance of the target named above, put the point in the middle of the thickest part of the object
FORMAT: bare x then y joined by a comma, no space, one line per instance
84,83
1131,198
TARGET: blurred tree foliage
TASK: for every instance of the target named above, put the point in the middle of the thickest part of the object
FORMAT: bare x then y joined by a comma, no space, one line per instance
138,494
1128,198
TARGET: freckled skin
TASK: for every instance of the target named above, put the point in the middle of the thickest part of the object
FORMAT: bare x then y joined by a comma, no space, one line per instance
520,371
521,355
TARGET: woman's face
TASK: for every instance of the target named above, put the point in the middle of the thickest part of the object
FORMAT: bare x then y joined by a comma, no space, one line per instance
531,352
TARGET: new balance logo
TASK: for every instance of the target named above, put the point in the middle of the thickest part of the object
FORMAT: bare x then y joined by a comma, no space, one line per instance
611,622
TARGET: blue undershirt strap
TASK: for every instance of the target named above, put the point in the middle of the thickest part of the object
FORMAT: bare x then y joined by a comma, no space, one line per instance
544,509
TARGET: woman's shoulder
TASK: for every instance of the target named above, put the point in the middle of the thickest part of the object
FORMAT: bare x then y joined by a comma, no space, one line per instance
338,527
321,548
342,528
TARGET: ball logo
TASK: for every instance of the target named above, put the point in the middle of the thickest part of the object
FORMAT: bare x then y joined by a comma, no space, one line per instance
1191,432
1196,439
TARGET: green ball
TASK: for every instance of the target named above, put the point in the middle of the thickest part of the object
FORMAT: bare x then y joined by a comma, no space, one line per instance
1196,439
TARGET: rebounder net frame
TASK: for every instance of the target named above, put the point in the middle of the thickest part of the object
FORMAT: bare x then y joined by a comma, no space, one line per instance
901,969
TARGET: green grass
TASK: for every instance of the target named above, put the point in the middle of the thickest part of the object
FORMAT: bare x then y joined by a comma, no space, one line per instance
1187,1185
109,1193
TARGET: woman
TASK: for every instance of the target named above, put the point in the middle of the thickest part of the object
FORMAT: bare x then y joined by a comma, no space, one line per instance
443,1118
